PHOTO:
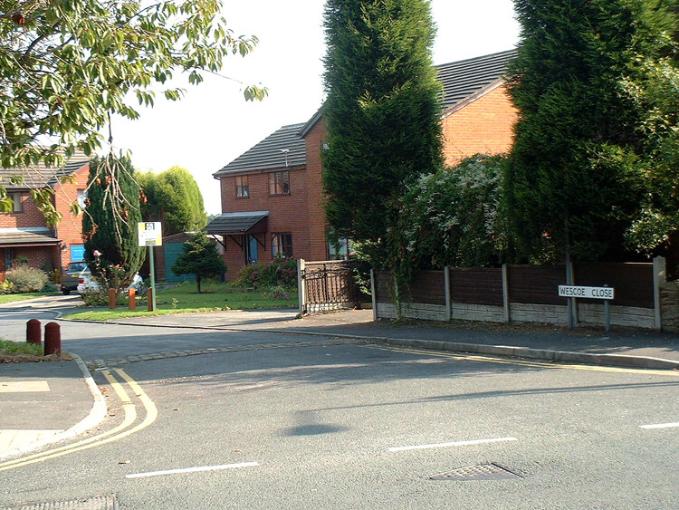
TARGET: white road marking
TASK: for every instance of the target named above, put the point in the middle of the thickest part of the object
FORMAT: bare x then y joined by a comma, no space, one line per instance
660,426
453,443
200,469
23,386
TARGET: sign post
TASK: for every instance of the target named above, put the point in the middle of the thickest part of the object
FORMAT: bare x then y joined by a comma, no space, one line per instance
604,293
151,234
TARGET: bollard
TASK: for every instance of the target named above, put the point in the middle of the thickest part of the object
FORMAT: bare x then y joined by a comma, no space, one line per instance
33,332
52,338
112,298
149,300
132,296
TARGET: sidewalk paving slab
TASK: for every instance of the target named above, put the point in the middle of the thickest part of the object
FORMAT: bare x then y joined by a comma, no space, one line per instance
44,403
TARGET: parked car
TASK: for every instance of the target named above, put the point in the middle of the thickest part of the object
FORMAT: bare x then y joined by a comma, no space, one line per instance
86,283
70,276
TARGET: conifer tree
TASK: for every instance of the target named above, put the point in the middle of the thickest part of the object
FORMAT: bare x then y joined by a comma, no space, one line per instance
382,111
200,258
111,217
575,183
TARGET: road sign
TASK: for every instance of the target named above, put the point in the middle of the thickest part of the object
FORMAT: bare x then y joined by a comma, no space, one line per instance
150,233
574,291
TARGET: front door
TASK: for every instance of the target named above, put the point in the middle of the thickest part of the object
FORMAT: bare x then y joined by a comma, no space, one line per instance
252,251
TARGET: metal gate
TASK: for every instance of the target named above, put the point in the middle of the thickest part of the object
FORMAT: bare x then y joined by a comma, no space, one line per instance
327,285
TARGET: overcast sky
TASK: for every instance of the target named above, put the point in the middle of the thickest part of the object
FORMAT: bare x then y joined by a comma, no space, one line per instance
213,125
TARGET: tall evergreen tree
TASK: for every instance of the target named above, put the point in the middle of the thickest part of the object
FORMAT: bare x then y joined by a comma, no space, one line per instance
200,258
575,181
111,217
173,198
382,111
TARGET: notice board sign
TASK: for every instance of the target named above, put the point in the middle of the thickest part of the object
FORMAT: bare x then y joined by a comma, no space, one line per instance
150,233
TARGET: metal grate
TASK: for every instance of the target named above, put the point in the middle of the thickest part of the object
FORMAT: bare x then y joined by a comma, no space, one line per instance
482,472
330,284
95,503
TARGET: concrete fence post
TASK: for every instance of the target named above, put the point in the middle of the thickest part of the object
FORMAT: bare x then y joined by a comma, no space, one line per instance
373,293
572,306
301,286
659,278
505,292
449,303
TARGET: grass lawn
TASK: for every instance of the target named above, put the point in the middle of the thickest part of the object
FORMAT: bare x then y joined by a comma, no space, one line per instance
12,348
184,298
12,298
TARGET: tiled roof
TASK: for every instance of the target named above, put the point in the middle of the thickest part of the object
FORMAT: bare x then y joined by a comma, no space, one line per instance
462,79
269,153
236,222
24,238
40,176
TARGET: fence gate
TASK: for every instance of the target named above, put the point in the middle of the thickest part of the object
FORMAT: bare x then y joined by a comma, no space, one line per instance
327,285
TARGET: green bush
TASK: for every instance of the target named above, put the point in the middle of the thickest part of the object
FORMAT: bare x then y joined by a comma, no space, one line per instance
280,272
100,298
27,279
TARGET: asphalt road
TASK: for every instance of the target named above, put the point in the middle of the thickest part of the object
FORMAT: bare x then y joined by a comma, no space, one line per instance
286,422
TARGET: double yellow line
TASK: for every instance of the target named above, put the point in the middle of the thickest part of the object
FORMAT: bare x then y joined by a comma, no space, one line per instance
121,431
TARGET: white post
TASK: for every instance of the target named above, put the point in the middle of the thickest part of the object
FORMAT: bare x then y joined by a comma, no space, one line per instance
374,295
659,278
449,304
301,286
505,292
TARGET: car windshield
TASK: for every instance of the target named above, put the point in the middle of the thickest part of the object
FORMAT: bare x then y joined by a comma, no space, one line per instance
77,266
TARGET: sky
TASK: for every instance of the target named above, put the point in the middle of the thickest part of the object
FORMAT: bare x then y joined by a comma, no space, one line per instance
213,124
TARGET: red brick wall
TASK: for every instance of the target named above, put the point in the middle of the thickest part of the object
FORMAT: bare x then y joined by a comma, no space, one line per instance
484,126
315,197
288,213
30,217
69,230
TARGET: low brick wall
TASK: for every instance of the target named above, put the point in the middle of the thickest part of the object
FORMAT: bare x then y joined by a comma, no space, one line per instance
421,311
471,312
538,313
669,299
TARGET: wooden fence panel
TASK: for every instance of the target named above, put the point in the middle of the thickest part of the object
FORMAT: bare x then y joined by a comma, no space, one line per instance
384,287
536,284
633,282
427,287
476,286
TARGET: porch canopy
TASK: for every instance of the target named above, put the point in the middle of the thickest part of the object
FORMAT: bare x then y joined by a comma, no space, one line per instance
24,239
238,224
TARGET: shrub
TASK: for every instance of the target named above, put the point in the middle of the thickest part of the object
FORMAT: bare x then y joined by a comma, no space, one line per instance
100,298
279,293
6,287
281,272
27,279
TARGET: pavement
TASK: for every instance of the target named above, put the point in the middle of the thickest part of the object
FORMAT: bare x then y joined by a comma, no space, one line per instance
621,347
45,403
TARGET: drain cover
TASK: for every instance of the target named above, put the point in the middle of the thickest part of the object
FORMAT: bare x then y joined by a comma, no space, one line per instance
482,472
96,503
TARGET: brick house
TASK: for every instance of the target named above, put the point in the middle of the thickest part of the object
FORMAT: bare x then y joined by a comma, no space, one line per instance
24,233
272,195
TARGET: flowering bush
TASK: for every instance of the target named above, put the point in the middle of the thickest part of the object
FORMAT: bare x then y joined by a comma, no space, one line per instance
280,272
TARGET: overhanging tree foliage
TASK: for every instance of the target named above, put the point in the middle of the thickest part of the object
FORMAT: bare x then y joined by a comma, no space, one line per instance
173,198
66,67
382,111
110,220
201,258
576,180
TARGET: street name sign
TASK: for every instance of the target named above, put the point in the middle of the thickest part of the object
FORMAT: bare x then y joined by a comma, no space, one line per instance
575,291
150,233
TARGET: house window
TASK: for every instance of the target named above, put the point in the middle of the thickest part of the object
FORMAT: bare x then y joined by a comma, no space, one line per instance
242,187
279,183
82,198
338,249
281,245
17,202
